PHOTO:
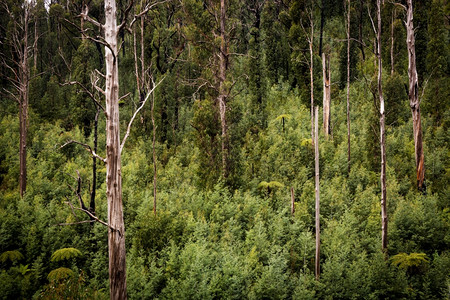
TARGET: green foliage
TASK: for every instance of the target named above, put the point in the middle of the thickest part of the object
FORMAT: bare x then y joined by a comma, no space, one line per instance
408,261
12,256
65,253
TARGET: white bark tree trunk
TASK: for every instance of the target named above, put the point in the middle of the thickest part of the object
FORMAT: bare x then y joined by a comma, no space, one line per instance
384,219
326,93
414,97
116,236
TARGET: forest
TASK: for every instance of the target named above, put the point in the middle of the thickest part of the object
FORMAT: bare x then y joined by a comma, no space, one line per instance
224,149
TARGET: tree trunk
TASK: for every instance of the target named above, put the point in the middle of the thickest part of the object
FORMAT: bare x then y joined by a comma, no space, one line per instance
322,22
94,163
223,66
292,201
23,103
154,152
311,72
360,29
384,220
414,98
116,236
392,39
326,94
348,88
317,191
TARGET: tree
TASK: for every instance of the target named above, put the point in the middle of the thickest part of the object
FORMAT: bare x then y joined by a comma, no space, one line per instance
114,147
348,85
384,220
413,94
317,191
326,70
19,66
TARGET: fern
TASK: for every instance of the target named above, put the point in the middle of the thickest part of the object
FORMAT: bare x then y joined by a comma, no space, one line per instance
65,253
12,256
406,261
60,273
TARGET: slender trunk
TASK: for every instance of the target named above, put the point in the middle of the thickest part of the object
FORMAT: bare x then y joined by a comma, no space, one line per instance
384,220
94,163
223,66
326,94
414,98
116,236
35,50
348,88
23,105
322,22
392,40
317,191
360,29
154,152
292,201
311,72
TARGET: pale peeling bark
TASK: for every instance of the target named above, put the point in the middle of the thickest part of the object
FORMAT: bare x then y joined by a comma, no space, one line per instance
414,98
317,191
23,84
384,219
292,201
326,93
222,98
116,237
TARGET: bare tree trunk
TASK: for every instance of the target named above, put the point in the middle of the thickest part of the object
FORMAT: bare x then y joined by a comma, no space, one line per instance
326,94
317,191
414,98
154,153
348,88
223,66
94,162
360,29
292,201
116,236
23,102
311,72
392,39
384,219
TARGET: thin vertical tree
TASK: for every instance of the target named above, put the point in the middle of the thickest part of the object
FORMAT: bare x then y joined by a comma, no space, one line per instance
384,219
413,94
317,191
19,66
326,71
348,86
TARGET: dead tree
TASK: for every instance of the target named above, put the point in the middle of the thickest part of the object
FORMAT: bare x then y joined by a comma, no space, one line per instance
384,219
223,91
414,101
348,86
326,70
317,191
19,66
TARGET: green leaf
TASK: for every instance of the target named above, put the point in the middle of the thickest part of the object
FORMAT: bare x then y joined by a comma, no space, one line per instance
59,274
65,253
13,256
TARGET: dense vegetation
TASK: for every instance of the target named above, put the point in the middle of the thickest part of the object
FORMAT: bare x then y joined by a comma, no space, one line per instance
233,236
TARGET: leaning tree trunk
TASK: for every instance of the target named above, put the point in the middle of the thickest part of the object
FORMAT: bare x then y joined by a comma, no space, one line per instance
384,220
414,97
116,234
222,99
326,93
317,191
311,73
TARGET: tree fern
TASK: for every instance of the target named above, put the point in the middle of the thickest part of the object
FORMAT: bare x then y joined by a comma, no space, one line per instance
12,256
65,253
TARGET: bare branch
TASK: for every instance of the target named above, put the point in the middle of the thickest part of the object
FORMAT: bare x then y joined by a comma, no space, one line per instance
84,15
86,90
136,112
146,9
87,147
